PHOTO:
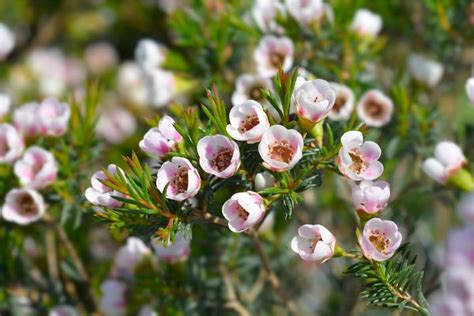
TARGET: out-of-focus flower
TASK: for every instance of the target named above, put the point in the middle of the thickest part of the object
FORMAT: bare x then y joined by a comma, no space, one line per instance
344,104
37,169
53,117
159,141
466,208
147,310
305,11
23,206
448,159
161,87
457,282
176,251
380,239
314,100
63,310
130,255
25,119
218,155
370,197
265,14
446,305
425,70
100,57
281,148
243,211
248,122
114,298
366,23
374,108
249,87
7,41
5,104
271,53
100,194
116,124
314,243
149,54
470,89
169,6
131,83
358,160
460,252
11,143
180,178
263,180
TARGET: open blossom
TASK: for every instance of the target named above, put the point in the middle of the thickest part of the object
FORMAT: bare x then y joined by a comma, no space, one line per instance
176,251
380,239
370,197
114,298
218,155
249,87
23,206
314,243
100,194
116,124
466,208
25,119
11,143
448,158
5,104
7,41
344,104
161,140
263,180
374,108
248,122
37,168
470,89
305,11
281,148
314,100
265,13
425,70
149,54
271,53
130,255
243,211
366,23
358,160
161,87
53,117
180,178
63,310
100,57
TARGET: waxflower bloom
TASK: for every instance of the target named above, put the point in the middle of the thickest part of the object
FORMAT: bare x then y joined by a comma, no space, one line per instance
243,211
470,89
366,23
425,70
358,160
218,155
314,100
130,255
248,122
466,208
23,206
149,54
249,87
271,53
131,83
5,104
25,119
314,243
11,143
448,158
263,180
53,117
161,140
281,148
265,13
181,177
380,239
305,11
176,251
116,124
100,194
7,40
370,197
344,104
37,168
113,301
161,86
374,108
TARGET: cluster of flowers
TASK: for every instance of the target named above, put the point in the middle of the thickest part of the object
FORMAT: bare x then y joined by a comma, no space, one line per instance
35,167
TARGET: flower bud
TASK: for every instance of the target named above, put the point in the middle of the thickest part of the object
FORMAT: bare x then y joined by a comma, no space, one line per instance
180,178
314,243
375,109
174,252
219,156
101,195
263,180
448,159
11,144
366,23
248,122
273,52
37,169
23,206
370,197
243,211
380,239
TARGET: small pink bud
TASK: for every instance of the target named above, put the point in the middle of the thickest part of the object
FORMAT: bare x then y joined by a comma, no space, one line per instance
470,89
314,243
53,117
11,144
370,197
114,298
380,239
248,122
101,195
23,206
177,251
180,178
26,120
366,23
314,100
161,140
344,104
243,211
37,169
130,255
375,109
263,180
219,156
448,159
273,52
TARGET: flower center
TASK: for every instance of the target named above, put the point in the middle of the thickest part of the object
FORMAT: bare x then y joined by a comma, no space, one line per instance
243,214
255,93
358,164
379,241
27,205
249,123
374,109
281,151
314,242
222,159
4,148
277,59
180,182
339,104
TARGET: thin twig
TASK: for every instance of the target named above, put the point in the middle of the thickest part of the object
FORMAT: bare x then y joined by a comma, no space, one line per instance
232,301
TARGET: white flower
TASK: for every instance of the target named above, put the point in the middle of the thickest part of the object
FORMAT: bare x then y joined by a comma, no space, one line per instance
11,144
248,122
344,104
306,11
263,180
470,89
7,41
113,301
149,54
366,23
130,255
273,52
314,100
265,13
176,251
5,104
375,109
448,158
425,70
23,206
161,87
131,83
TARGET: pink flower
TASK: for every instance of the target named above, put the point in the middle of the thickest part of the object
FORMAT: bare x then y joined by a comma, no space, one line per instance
366,23
344,104
375,109
459,249
181,177
281,148
380,239
271,53
37,169
53,117
370,197
470,89
149,54
116,124
219,156
25,119
161,140
23,206
466,208
358,160
314,243
100,57
305,11
5,104
243,211
11,144
265,14
314,100
176,251
63,310
130,255
448,158
7,40
248,122
114,298
100,194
